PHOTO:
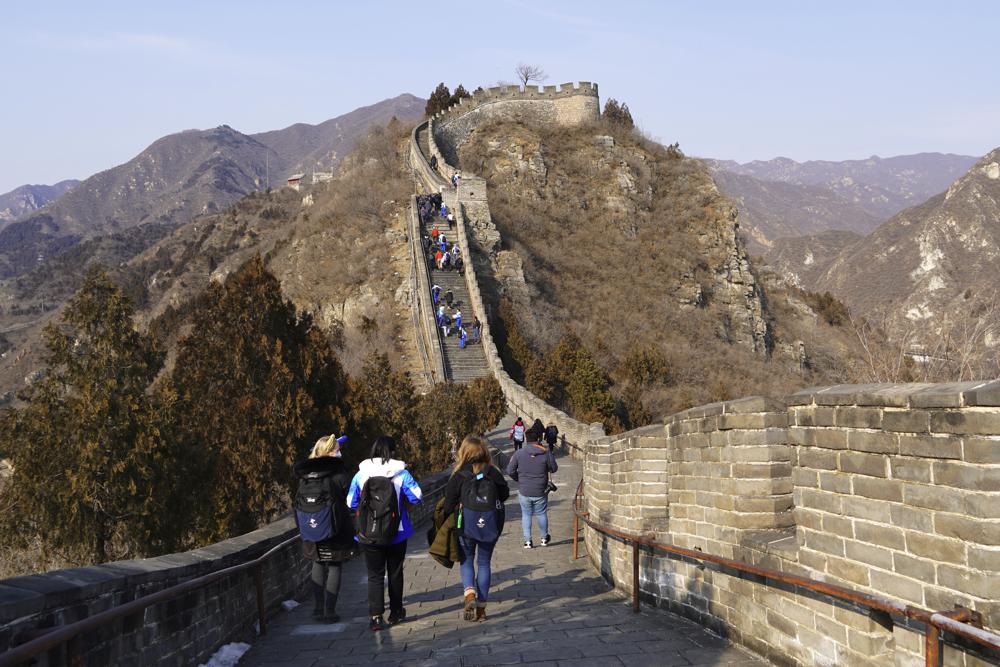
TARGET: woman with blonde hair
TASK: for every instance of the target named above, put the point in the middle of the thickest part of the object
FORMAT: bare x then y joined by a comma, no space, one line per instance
477,491
324,521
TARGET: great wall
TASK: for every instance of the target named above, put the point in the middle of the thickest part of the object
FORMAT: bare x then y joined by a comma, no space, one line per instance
889,490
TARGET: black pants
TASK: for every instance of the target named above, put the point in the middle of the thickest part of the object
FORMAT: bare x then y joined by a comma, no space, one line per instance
518,444
381,561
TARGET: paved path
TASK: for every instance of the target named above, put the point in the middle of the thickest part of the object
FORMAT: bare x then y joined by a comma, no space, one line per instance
544,609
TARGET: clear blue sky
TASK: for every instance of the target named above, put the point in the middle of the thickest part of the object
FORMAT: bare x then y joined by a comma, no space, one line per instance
87,85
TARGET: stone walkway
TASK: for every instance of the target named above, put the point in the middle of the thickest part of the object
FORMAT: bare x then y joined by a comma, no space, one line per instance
545,609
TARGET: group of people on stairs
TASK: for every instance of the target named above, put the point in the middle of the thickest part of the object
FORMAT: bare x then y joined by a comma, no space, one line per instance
340,514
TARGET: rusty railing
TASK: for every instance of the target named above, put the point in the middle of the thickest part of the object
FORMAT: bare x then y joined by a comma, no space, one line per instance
71,634
961,622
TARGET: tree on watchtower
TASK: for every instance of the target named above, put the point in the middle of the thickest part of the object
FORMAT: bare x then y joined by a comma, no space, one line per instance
257,383
439,100
528,73
98,473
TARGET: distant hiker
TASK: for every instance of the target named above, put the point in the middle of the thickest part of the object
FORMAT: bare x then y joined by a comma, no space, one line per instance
325,523
378,492
551,436
436,293
517,434
446,325
426,243
530,468
434,162
462,337
451,220
457,317
434,235
440,315
444,210
477,491
460,266
477,329
438,259
449,297
443,245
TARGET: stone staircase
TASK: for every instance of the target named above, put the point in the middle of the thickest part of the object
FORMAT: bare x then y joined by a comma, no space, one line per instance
470,363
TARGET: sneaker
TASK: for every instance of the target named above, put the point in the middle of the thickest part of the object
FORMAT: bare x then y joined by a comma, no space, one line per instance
546,540
332,617
397,616
377,624
528,544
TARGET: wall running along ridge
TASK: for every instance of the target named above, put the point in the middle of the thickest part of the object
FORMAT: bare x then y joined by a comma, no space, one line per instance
887,489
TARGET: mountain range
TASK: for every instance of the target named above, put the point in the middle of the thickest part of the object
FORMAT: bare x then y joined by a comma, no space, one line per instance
183,175
782,198
27,198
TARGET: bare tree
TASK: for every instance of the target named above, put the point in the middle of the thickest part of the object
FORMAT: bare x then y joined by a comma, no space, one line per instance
526,73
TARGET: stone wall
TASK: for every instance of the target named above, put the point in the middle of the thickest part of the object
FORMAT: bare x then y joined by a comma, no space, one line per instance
421,306
892,490
184,631
562,105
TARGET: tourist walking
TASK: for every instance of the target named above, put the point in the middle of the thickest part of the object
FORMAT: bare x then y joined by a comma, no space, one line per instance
457,318
477,491
477,329
517,434
449,297
436,292
325,524
377,492
551,436
530,468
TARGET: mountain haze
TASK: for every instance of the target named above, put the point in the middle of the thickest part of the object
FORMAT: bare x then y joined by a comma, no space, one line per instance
185,175
930,260
27,198
783,198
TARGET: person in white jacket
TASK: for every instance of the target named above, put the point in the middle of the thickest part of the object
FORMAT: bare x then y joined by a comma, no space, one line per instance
382,559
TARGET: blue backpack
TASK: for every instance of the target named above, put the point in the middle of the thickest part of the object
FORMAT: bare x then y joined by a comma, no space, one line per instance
319,506
482,514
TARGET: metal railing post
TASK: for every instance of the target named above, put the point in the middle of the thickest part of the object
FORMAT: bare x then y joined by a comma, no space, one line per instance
635,577
576,535
932,646
258,580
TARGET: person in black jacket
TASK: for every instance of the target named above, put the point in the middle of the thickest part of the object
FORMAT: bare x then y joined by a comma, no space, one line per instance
473,459
328,556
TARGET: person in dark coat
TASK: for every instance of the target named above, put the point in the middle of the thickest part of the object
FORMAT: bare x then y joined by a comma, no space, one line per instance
329,556
530,467
473,459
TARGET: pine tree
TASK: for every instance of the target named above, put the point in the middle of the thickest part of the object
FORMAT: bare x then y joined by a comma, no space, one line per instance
257,384
381,400
460,93
618,114
439,100
98,472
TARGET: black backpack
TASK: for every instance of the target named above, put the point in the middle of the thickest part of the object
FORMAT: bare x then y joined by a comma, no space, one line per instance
318,506
482,515
378,512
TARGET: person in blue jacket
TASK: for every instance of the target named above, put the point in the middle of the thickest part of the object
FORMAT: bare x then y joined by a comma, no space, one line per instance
386,559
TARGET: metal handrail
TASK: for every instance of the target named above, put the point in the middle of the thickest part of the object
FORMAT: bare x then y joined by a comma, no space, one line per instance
961,621
71,633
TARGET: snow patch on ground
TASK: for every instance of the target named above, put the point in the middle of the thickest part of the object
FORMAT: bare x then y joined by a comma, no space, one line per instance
936,283
319,629
228,655
289,605
809,260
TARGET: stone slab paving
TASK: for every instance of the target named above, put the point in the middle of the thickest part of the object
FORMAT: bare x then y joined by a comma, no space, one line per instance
545,609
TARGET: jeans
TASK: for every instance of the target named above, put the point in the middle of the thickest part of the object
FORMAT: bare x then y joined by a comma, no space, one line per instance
382,560
470,577
534,506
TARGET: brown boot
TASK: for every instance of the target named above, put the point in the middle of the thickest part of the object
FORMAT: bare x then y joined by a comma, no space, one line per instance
481,611
469,605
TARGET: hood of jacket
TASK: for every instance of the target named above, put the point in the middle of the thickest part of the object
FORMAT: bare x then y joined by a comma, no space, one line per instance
327,464
380,468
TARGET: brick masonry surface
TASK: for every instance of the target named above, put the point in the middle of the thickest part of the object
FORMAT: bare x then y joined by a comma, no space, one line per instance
545,609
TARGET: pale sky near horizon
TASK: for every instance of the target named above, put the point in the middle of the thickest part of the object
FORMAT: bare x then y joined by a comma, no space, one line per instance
90,84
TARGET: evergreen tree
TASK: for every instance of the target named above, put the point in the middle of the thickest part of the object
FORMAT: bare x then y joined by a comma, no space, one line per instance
98,472
460,93
439,100
448,413
382,401
257,384
618,114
